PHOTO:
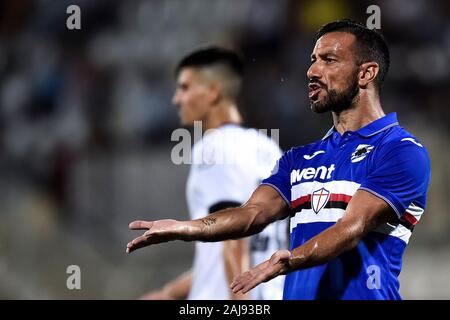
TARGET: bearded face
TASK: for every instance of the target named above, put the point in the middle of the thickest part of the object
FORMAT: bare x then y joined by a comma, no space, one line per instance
333,74
332,99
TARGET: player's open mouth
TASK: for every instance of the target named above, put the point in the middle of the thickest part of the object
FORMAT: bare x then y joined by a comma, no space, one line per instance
314,89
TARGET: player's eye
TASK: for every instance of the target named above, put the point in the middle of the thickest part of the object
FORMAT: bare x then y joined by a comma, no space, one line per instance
183,87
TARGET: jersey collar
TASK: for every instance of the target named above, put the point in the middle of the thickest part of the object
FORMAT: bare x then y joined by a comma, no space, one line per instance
372,128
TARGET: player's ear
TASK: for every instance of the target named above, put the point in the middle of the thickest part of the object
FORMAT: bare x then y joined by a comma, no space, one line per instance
367,73
215,92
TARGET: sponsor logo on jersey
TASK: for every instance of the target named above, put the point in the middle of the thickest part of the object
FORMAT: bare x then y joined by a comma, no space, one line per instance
309,157
311,173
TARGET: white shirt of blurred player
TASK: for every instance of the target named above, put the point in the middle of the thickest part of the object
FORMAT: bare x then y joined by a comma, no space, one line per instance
228,164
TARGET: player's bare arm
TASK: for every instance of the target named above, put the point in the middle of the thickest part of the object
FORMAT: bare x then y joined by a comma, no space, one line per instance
365,213
177,289
236,257
264,206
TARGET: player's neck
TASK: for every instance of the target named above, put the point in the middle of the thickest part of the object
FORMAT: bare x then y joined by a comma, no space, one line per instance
226,113
364,111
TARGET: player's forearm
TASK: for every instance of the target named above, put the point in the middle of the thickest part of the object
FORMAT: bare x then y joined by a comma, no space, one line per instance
228,224
326,246
364,213
237,260
180,287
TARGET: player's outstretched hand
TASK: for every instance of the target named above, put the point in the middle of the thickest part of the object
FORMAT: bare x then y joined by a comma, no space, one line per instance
263,272
157,232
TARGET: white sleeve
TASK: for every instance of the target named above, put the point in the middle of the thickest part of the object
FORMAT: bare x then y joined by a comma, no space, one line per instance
226,183
235,168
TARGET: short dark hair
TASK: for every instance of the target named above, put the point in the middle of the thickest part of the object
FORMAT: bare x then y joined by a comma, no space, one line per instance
370,45
211,56
225,63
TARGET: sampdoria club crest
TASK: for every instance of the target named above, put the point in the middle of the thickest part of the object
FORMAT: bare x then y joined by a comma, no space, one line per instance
361,152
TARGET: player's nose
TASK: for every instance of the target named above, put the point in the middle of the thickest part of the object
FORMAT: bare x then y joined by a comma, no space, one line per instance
313,72
176,99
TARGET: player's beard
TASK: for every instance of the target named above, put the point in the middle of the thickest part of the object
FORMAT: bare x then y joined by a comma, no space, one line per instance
338,101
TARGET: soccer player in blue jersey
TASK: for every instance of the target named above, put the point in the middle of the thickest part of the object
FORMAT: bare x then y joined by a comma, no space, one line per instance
353,197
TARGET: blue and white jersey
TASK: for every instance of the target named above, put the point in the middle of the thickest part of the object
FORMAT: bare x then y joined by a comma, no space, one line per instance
318,181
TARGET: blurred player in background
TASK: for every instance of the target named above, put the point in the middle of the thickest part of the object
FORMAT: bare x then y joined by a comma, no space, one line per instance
355,195
227,165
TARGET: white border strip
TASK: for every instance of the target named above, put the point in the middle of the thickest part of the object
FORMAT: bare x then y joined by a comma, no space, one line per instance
337,187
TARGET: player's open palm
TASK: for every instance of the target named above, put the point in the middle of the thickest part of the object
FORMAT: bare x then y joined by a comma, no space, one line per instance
263,272
156,232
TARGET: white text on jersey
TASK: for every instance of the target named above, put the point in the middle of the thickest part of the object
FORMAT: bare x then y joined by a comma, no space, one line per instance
311,173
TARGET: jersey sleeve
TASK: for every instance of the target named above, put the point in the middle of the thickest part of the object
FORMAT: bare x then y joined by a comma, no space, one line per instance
280,177
400,175
224,184
224,177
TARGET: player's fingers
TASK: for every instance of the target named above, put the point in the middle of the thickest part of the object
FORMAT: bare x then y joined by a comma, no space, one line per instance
235,282
137,243
140,225
253,282
240,281
249,287
147,239
134,247
254,277
236,286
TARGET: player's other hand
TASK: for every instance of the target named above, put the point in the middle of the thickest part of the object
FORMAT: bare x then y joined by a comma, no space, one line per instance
265,271
156,232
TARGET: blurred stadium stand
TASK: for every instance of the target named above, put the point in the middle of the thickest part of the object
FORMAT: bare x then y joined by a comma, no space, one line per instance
86,118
